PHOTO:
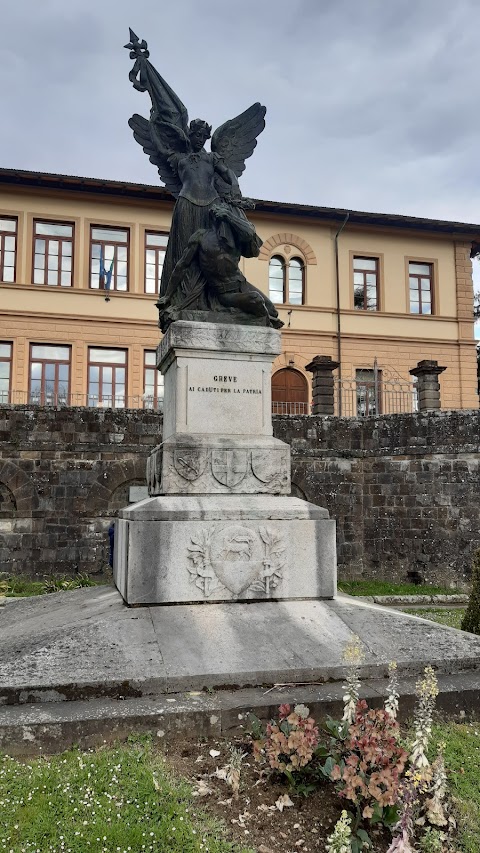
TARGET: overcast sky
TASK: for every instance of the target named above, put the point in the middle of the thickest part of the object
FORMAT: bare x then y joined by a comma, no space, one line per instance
371,104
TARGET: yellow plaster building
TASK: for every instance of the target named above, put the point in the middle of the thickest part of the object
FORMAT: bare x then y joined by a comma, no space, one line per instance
376,292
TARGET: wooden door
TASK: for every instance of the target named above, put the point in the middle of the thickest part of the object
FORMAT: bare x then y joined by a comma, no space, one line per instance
289,393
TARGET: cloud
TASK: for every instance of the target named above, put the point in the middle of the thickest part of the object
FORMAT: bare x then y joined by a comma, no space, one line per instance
371,105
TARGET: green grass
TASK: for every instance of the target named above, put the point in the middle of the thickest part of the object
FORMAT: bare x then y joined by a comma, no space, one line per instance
20,587
462,760
116,799
452,617
384,588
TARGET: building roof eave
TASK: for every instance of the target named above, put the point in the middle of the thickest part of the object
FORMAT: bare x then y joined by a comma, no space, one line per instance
103,186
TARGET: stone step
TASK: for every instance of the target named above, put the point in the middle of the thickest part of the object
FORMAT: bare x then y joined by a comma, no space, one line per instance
29,730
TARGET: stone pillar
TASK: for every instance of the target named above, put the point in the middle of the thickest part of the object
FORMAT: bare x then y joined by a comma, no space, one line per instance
428,386
322,367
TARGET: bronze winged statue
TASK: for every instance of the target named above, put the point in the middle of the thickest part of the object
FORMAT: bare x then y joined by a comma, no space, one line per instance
204,284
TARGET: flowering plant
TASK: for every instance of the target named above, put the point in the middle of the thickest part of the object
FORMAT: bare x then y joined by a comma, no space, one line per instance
340,839
290,743
353,655
427,692
368,766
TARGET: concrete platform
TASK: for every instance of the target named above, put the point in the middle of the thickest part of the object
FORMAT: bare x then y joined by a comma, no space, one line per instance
71,656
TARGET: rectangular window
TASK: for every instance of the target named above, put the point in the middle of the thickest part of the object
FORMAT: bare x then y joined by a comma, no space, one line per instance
152,382
109,246
420,281
8,249
369,392
365,283
5,372
107,377
49,383
52,253
155,246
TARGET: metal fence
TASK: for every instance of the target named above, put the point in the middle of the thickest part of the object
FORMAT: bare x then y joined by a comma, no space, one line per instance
285,408
371,391
360,398
62,400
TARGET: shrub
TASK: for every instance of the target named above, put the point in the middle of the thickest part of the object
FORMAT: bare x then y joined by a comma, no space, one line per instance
289,744
369,766
471,620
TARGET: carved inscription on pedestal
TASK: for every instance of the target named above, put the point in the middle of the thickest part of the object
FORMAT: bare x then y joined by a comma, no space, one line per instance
237,558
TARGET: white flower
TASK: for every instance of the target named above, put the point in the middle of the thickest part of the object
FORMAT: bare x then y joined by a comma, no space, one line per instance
302,711
339,840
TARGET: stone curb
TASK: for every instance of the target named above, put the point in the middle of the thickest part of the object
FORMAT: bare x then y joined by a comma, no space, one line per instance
30,730
389,600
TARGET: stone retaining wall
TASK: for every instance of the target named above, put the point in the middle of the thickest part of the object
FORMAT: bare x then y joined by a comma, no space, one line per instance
404,489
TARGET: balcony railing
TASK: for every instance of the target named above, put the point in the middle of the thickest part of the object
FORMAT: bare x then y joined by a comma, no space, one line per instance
285,408
91,401
358,399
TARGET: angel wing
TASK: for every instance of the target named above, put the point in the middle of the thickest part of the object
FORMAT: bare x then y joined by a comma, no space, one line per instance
235,140
158,148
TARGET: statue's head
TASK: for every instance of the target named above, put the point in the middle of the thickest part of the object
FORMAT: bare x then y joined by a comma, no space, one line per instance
199,131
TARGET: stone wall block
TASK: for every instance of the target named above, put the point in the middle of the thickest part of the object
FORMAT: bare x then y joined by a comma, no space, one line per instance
404,489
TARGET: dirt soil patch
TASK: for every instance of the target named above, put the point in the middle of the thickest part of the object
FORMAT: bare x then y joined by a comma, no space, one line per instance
259,818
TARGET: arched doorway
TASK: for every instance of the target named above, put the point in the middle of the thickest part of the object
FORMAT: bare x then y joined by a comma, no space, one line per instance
290,393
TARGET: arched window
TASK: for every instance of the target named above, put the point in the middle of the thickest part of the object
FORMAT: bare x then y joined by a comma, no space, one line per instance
289,393
286,282
296,275
276,279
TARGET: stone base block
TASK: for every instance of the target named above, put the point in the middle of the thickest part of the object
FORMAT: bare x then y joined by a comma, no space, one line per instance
203,465
173,549
229,316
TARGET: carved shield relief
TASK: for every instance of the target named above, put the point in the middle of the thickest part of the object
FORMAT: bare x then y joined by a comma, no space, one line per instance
229,466
189,462
269,466
236,557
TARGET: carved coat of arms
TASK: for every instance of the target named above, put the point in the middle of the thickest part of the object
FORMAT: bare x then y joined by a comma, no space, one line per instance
237,558
189,462
270,468
229,466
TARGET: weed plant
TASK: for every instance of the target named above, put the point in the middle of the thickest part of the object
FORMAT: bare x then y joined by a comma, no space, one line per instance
120,800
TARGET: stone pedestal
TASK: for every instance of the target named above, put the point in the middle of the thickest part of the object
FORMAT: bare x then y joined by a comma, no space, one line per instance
219,525
323,384
428,386
224,548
